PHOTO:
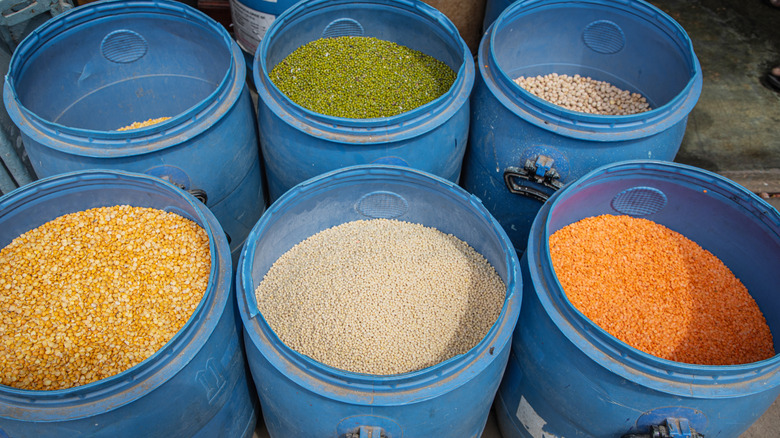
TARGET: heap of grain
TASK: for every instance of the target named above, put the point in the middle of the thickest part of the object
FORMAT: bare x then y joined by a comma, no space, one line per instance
90,294
381,297
658,291
583,94
145,123
360,77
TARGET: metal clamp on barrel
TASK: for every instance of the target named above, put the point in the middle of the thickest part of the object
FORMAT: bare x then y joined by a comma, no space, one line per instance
368,432
199,194
177,177
539,171
670,428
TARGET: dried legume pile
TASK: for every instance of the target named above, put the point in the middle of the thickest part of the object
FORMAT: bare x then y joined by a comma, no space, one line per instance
659,292
360,77
583,94
381,297
136,125
90,294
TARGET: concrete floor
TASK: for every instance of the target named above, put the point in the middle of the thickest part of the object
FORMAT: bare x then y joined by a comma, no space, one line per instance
733,130
734,124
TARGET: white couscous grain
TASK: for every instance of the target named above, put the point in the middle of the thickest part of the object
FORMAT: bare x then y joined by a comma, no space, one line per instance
381,297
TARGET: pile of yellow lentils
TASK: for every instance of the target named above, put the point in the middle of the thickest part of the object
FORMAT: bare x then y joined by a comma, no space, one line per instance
145,123
90,294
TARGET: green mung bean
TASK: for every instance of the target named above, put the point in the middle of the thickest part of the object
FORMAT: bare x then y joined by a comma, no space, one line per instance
360,77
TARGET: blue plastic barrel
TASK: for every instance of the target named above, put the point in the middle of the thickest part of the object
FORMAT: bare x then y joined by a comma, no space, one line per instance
299,144
197,385
494,8
568,377
523,148
85,73
251,20
302,397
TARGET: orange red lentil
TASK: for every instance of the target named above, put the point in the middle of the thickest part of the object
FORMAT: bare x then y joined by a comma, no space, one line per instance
90,294
658,291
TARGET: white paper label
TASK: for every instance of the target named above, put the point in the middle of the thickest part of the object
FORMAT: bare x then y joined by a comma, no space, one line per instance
532,422
249,25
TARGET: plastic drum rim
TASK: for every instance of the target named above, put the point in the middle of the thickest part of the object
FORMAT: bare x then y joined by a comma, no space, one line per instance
618,357
377,390
574,124
112,392
376,130
191,122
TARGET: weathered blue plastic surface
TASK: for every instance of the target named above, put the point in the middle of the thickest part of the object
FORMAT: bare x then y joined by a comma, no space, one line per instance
494,8
632,45
302,397
267,9
197,385
568,377
89,71
299,144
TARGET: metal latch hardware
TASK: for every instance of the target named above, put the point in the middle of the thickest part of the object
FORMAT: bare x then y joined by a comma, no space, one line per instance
199,194
367,432
670,428
539,171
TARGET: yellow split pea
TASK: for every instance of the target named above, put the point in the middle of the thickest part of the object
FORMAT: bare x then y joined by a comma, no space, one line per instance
90,294
145,123
659,292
